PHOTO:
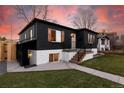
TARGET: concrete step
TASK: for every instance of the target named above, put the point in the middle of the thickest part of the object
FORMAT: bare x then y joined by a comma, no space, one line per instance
73,61
77,57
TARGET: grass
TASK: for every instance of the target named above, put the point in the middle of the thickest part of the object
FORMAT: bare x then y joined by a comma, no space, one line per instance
54,79
109,63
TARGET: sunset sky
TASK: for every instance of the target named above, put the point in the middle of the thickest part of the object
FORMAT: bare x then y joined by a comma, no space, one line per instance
108,17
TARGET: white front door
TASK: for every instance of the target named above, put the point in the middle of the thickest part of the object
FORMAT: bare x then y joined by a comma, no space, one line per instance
73,40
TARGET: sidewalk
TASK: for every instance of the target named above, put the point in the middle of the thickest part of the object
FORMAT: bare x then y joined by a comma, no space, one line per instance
105,75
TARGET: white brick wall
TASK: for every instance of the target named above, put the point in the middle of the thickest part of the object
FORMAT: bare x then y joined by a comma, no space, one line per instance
66,56
42,56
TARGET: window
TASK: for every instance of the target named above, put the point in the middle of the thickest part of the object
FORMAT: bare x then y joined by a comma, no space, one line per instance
31,34
21,37
53,57
55,35
25,36
107,42
5,51
91,38
102,41
5,58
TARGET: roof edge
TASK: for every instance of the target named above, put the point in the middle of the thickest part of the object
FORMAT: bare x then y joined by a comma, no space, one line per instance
37,19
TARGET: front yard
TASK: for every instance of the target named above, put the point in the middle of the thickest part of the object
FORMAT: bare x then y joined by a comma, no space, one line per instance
108,63
60,78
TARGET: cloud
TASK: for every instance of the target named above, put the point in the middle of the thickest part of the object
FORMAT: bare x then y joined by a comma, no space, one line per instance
102,15
6,13
4,29
109,17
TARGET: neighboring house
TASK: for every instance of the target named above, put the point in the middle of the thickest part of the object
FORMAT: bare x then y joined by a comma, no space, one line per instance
103,42
114,38
7,50
43,42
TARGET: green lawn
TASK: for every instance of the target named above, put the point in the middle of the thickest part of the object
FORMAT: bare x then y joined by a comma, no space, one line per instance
108,63
60,78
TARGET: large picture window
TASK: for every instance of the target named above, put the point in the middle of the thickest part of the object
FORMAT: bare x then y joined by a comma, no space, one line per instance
55,35
91,38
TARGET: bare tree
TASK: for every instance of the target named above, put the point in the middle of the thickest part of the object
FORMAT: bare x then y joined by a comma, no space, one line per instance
84,18
35,12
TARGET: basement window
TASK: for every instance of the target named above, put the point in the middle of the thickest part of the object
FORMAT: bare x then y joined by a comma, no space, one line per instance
53,57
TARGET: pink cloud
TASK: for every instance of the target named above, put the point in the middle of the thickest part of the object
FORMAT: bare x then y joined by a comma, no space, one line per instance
102,15
108,16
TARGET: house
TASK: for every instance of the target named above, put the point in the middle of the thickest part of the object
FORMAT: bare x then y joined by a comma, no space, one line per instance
7,50
42,42
113,36
103,42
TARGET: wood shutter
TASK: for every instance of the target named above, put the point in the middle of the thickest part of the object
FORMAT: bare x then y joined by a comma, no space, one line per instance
49,34
53,35
62,36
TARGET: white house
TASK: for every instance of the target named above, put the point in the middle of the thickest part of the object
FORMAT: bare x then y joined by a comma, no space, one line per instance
103,42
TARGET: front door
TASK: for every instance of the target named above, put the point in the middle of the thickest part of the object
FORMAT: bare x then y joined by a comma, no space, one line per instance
73,40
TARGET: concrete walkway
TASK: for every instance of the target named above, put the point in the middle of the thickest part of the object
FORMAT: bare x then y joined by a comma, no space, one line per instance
105,75
14,67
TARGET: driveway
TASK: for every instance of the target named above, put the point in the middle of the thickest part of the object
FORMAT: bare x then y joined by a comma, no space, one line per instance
14,67
3,67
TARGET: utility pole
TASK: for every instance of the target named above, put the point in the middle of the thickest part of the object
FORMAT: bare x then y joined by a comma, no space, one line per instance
11,31
11,42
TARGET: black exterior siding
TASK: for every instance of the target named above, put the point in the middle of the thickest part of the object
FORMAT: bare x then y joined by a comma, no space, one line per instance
42,37
22,53
82,39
